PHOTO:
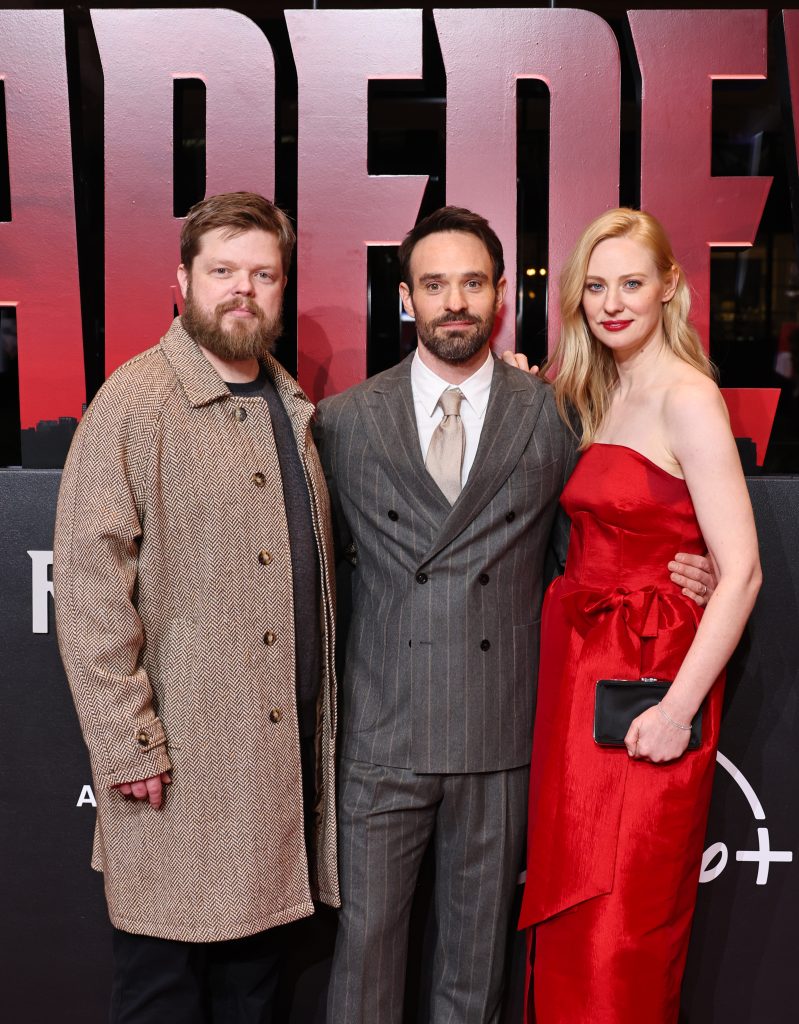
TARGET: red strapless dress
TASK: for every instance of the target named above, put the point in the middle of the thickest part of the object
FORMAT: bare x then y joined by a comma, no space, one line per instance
615,845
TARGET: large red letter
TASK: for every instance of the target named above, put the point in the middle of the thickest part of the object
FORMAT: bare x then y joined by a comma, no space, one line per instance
680,53
143,52
485,54
341,208
39,261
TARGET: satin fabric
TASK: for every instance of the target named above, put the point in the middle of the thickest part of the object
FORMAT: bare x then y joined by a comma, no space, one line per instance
614,844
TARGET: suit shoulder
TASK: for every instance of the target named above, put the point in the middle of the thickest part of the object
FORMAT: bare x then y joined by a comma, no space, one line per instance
334,405
521,380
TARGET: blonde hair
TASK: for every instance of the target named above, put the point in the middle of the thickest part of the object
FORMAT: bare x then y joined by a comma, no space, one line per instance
585,369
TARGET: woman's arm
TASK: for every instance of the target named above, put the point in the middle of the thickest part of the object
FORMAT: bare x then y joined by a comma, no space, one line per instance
699,436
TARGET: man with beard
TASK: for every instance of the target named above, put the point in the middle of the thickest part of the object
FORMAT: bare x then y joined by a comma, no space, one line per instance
195,619
444,474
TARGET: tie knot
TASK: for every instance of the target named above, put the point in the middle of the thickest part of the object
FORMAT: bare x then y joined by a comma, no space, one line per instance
450,401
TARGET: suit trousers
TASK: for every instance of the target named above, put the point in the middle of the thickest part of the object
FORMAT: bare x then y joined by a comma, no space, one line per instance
161,981
387,818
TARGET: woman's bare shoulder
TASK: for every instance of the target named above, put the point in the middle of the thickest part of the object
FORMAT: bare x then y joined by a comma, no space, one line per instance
690,393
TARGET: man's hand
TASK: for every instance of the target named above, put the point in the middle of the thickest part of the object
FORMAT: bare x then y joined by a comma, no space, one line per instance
519,360
694,573
151,789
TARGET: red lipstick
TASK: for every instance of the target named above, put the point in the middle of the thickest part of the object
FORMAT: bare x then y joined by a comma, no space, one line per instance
615,325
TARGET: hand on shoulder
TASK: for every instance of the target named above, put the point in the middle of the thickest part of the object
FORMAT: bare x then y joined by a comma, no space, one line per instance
520,361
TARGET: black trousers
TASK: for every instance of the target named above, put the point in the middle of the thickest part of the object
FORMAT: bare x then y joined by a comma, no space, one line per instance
160,981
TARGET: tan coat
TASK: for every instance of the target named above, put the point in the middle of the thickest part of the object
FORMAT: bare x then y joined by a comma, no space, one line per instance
179,647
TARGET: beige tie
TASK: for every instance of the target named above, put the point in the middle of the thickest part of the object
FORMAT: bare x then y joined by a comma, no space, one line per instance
445,454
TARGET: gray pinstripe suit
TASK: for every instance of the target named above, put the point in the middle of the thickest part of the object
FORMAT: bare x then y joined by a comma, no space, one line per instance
439,684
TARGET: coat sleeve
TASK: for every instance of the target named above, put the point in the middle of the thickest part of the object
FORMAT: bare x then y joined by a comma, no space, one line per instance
95,560
324,432
555,562
324,428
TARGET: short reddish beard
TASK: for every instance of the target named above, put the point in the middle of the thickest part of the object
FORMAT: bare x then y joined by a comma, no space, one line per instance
242,340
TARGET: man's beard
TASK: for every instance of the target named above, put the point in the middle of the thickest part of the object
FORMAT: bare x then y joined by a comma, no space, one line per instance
243,339
455,347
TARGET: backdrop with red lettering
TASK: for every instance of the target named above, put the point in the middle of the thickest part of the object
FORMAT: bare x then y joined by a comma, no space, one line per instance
113,122
116,120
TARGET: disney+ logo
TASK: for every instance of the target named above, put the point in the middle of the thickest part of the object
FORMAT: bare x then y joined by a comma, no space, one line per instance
716,856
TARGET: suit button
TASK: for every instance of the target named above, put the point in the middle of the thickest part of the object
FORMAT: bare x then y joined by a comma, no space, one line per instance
275,715
510,517
483,579
269,638
143,738
264,557
240,413
392,515
485,645
421,577
258,479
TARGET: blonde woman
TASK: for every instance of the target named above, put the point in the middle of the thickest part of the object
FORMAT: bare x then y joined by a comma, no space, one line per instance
616,833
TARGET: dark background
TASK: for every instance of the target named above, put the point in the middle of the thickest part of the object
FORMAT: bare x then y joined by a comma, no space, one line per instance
55,949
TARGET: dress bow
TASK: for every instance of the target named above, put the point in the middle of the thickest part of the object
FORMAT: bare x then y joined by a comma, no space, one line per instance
639,609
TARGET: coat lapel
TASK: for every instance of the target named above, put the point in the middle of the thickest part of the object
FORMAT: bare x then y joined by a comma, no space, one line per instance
513,408
296,402
390,421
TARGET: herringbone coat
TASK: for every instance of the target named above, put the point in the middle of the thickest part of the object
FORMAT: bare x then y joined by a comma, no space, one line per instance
179,647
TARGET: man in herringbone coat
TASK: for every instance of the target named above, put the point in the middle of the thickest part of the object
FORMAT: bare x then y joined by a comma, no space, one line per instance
192,551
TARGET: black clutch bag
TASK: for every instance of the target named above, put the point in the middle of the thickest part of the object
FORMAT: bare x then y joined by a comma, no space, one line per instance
619,701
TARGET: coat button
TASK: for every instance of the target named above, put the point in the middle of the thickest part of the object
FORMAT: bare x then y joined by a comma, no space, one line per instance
143,738
240,413
483,579
275,715
258,479
269,638
421,577
510,516
392,515
485,645
264,557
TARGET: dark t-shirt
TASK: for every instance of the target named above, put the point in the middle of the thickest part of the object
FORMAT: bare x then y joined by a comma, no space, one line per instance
304,554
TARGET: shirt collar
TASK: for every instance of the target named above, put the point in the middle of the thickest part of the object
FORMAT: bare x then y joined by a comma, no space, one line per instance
427,386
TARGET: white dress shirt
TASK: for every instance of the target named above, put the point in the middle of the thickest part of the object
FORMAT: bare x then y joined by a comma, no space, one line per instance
427,387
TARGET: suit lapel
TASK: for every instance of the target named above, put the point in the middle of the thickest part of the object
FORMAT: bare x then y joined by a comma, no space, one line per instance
513,408
390,422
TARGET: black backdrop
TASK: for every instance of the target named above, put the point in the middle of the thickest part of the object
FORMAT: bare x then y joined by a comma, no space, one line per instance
56,949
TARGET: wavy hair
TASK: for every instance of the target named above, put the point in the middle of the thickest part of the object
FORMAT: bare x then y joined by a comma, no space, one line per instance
585,371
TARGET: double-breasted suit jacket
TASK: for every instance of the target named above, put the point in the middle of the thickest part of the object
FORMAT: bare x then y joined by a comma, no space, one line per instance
178,641
442,649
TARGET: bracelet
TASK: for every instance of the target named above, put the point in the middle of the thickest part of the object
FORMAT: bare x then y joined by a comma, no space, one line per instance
670,720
